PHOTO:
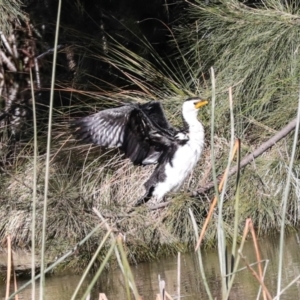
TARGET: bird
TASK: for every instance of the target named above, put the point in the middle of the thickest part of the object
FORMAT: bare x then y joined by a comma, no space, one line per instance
143,133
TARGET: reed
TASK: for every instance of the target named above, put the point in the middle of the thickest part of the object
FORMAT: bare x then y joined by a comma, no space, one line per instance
285,201
43,246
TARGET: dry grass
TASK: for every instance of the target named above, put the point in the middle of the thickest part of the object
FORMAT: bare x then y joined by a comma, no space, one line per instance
82,177
112,185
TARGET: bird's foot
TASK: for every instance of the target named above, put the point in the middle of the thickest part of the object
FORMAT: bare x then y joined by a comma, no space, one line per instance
140,202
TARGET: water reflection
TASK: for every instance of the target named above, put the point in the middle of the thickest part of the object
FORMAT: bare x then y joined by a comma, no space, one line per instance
57,288
245,286
146,276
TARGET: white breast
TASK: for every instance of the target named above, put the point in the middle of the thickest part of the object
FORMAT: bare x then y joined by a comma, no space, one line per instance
183,163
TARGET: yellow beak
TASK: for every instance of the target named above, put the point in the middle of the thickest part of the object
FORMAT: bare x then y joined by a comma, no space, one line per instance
200,103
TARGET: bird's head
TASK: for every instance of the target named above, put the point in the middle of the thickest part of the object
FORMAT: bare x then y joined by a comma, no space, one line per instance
192,105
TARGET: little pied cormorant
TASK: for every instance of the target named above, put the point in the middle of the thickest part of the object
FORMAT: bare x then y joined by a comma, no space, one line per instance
143,133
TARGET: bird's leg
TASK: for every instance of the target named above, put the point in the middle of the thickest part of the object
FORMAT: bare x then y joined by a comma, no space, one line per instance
145,198
140,202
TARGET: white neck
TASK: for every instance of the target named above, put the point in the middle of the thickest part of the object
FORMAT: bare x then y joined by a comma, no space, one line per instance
191,119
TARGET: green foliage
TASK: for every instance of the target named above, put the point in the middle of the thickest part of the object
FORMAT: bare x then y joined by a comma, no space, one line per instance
253,50
10,12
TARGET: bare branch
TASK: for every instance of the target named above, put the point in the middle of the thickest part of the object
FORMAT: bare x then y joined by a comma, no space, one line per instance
257,152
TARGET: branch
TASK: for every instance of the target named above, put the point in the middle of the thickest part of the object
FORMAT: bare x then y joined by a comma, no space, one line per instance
257,152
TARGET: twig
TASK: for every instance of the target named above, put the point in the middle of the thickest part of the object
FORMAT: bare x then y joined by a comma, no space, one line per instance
256,276
258,258
49,51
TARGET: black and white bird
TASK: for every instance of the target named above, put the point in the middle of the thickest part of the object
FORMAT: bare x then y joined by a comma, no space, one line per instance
145,136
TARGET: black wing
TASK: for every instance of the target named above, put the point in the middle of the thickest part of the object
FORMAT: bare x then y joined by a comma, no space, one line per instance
141,131
105,128
153,110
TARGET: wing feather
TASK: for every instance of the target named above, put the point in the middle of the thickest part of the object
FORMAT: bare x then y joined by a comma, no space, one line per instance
154,111
105,128
142,132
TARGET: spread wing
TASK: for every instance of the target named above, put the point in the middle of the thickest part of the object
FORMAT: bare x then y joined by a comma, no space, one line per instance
105,128
142,132
154,111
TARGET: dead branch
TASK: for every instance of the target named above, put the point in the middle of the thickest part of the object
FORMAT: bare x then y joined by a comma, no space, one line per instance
257,152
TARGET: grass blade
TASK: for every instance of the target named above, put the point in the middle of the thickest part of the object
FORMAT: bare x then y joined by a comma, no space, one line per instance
90,265
202,272
99,271
285,200
58,261
42,280
34,188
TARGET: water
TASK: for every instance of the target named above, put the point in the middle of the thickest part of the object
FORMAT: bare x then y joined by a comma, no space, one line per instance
245,286
146,276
